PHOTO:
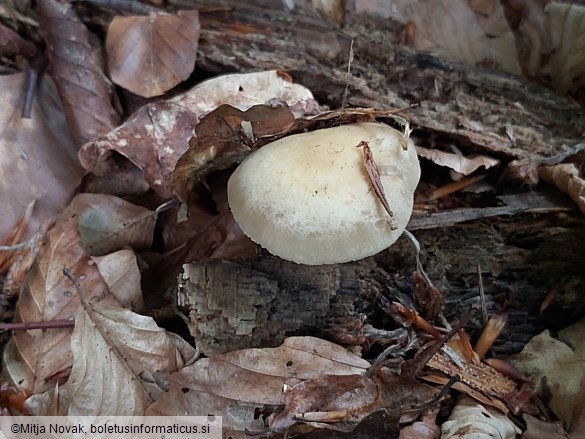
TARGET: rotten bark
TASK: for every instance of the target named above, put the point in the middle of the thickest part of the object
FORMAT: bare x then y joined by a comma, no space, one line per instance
257,302
522,257
479,109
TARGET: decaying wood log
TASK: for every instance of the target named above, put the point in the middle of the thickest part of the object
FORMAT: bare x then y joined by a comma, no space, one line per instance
479,109
257,302
522,257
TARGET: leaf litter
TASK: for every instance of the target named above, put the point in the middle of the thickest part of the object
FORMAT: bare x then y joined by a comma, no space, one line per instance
224,136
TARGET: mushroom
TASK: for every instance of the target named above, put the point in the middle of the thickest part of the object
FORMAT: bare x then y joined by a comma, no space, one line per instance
307,198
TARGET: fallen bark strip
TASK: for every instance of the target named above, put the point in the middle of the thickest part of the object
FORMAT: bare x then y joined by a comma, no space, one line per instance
480,110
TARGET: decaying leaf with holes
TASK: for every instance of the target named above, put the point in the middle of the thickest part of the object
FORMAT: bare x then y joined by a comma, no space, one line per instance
341,403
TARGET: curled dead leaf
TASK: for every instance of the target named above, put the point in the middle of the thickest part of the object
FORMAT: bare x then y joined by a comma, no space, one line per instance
244,90
245,387
76,65
158,134
224,137
153,139
457,162
567,177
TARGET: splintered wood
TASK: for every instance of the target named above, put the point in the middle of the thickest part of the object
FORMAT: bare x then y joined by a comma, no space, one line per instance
257,302
478,376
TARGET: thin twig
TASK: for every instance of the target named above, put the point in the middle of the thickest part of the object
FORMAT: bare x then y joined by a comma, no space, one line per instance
484,313
25,326
35,69
437,397
9,248
172,203
455,186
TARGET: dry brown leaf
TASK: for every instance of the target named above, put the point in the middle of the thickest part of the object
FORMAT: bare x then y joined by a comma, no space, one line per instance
457,162
7,257
556,368
153,139
244,90
426,428
122,276
567,177
566,24
22,262
38,160
37,359
108,223
149,55
342,402
76,67
158,134
244,386
115,356
222,141
471,419
537,429
460,30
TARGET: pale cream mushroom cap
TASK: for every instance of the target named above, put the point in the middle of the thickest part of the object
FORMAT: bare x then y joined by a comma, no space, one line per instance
307,197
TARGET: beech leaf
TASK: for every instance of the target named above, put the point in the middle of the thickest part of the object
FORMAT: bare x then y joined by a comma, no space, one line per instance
116,352
158,134
153,139
566,23
121,273
39,159
108,223
244,90
457,162
241,384
37,359
149,55
556,368
76,66
471,418
460,30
